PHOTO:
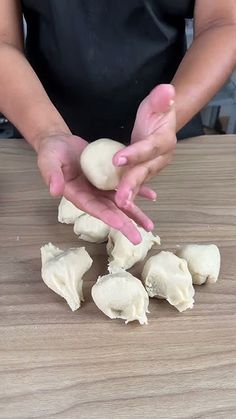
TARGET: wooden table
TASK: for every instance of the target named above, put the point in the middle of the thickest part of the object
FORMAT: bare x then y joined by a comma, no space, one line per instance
59,364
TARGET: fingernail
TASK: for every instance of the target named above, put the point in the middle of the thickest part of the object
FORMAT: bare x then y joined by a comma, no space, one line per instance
154,196
122,161
150,226
130,196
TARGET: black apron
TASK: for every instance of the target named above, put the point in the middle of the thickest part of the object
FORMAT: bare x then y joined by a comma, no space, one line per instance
98,59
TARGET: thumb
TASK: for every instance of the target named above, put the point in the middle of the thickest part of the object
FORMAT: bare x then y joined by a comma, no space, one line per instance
57,183
161,98
53,176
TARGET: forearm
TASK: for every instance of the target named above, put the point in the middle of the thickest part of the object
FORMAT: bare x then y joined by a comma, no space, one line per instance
23,99
203,71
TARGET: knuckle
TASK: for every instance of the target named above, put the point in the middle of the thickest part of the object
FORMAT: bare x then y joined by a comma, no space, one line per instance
155,151
149,170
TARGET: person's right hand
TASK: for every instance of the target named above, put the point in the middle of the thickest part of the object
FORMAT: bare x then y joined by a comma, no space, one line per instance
59,164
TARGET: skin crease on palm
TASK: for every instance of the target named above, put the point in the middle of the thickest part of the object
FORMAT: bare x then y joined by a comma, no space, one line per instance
153,135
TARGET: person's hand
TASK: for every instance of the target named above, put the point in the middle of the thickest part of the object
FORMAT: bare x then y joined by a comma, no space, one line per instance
153,141
59,163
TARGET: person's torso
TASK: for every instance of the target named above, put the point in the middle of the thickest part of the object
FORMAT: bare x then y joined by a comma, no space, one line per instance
99,59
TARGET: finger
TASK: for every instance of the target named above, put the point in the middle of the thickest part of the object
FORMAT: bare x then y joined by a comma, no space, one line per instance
135,177
52,175
57,184
87,198
134,212
153,113
161,98
146,149
146,192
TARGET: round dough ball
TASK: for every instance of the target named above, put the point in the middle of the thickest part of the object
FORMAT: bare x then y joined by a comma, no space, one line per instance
96,163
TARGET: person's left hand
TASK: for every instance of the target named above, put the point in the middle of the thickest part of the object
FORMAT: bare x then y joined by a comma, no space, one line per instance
153,141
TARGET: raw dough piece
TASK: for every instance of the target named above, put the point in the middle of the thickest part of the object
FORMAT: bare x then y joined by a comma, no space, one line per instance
68,212
123,254
91,229
63,271
86,227
121,296
96,163
203,262
167,276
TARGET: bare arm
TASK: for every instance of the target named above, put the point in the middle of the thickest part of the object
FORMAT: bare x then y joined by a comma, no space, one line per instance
209,61
25,103
23,99
203,70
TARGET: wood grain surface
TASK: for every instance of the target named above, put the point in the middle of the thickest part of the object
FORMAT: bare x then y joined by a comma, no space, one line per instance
59,364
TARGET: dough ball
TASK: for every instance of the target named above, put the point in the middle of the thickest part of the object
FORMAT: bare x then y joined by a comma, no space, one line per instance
121,296
63,271
68,212
91,229
167,276
96,163
123,254
203,262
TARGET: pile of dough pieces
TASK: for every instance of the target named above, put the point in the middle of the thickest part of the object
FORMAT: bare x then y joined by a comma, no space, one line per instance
119,294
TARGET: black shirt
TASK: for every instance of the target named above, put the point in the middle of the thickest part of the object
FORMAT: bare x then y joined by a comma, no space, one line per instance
98,59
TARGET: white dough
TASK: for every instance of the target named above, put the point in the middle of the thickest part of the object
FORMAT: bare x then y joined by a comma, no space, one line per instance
121,296
123,254
96,163
91,229
68,212
203,262
63,271
86,227
167,276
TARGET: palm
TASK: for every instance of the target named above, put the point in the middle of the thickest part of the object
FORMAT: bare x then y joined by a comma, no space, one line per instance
149,121
59,164
152,143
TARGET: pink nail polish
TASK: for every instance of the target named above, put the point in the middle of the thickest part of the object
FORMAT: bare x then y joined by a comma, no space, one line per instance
150,226
122,161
